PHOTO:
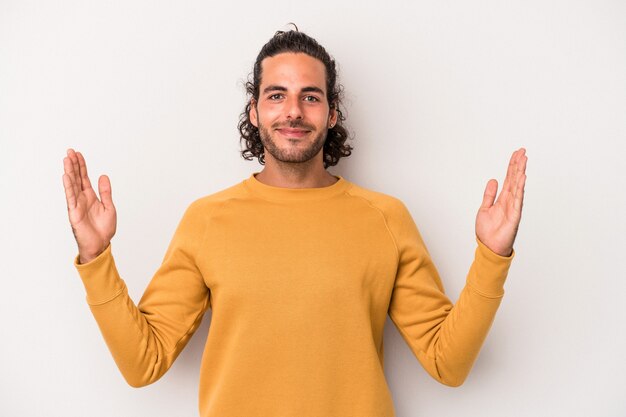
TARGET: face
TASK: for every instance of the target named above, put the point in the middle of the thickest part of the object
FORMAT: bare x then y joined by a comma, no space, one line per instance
292,113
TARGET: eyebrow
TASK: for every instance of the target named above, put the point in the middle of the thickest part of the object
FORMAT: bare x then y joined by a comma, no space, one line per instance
309,89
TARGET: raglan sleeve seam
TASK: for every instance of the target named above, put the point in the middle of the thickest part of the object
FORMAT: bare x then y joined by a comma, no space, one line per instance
403,332
382,214
410,341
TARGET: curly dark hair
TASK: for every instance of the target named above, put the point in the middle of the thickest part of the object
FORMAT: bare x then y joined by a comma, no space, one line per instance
295,41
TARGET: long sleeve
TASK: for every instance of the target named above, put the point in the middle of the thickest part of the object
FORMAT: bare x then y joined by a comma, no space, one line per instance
145,339
445,338
300,282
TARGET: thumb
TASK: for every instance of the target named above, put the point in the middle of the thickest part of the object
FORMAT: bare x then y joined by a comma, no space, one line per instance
490,194
104,189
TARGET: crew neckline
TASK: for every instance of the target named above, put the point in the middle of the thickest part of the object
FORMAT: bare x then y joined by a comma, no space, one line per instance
284,194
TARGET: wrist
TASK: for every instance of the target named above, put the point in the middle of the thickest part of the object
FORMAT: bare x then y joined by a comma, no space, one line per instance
83,259
504,252
85,256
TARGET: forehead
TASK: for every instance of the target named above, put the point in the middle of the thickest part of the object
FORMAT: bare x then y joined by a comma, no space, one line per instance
293,70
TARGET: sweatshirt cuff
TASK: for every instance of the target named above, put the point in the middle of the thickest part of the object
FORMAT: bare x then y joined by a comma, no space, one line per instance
100,278
489,271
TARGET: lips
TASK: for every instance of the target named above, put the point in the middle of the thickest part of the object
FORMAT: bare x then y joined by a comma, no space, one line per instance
285,131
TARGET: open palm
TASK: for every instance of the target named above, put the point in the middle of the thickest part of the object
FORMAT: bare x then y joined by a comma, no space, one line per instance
497,223
93,221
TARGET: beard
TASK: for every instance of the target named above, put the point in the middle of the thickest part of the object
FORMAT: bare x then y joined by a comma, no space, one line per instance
295,154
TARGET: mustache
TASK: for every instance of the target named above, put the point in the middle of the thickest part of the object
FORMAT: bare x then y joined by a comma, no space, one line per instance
293,124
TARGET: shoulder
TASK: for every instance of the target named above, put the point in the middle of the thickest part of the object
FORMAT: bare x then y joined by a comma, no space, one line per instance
398,218
207,204
388,204
394,212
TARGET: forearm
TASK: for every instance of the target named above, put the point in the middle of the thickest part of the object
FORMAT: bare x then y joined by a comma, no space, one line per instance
450,357
460,337
137,350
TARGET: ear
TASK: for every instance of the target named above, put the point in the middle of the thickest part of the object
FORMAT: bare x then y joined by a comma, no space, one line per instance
253,113
332,116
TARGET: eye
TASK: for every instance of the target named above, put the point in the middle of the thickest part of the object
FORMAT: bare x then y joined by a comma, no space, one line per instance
312,99
275,96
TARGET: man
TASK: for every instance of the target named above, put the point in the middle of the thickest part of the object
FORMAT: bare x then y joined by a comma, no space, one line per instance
300,267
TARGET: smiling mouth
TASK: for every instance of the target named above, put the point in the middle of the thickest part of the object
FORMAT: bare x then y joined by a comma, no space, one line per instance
292,133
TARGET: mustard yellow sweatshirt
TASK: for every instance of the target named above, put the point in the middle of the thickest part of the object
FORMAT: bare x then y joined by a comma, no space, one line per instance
300,282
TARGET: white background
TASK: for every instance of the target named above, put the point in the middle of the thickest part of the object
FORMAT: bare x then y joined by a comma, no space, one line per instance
439,94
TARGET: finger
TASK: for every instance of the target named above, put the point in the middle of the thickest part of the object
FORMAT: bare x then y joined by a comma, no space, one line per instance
519,193
490,194
67,167
76,163
520,169
520,183
83,171
70,197
522,163
510,172
72,171
104,189
75,173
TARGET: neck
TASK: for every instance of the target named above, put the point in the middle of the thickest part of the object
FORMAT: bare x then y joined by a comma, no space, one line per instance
295,175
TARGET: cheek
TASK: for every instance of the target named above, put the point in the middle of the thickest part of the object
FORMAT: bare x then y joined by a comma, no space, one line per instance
319,117
268,114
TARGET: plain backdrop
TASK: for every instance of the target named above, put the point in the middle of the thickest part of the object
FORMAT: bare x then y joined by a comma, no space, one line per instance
438,96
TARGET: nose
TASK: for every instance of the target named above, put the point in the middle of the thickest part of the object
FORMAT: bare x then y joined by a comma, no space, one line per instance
293,109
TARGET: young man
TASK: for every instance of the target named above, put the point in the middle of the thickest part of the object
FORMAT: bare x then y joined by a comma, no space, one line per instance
300,267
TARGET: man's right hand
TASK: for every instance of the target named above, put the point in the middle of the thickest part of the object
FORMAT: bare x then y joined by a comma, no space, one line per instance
93,221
